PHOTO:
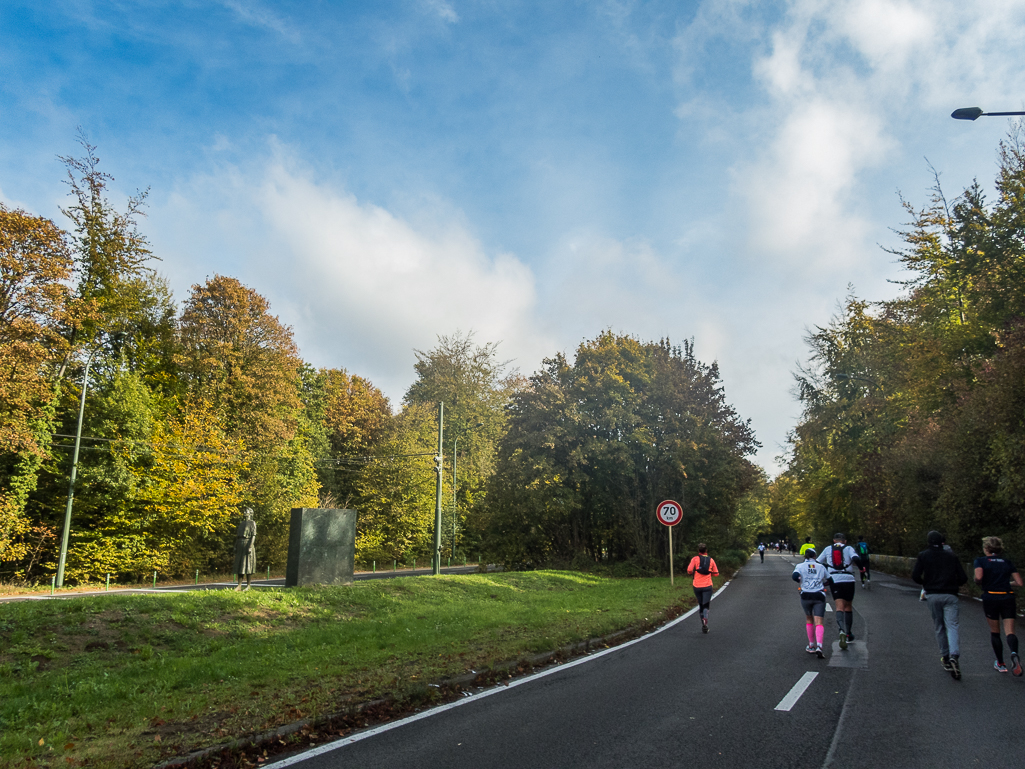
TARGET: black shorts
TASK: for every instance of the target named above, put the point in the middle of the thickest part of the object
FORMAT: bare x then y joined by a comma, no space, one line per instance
814,604
998,606
842,590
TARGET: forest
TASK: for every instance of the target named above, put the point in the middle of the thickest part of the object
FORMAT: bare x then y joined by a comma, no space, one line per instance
913,409
193,410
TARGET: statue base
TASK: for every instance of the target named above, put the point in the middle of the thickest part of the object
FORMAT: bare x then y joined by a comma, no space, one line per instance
321,547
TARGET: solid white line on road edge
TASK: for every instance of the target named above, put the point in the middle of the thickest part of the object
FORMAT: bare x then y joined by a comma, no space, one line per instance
795,693
314,752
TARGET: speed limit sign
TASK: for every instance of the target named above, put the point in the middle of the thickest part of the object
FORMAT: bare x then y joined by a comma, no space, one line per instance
669,512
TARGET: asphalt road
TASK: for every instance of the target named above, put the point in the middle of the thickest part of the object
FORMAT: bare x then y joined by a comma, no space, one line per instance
677,697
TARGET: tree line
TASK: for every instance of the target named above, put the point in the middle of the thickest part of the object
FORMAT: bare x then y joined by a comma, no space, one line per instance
194,411
914,408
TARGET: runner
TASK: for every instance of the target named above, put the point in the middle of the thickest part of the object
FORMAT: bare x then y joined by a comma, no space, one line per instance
811,579
994,574
703,568
863,552
940,574
807,546
839,560
761,551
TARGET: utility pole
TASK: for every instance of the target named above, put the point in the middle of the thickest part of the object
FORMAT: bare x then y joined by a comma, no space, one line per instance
74,473
437,496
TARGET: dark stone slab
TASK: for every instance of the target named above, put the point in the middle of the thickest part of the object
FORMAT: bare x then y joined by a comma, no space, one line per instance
321,547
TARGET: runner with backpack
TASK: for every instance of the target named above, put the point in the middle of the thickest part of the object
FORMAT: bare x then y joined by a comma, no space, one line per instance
863,552
839,560
703,568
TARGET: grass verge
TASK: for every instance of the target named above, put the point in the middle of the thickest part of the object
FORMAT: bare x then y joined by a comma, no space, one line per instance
132,680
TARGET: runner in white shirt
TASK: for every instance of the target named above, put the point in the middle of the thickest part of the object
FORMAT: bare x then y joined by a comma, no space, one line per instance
842,563
761,551
811,578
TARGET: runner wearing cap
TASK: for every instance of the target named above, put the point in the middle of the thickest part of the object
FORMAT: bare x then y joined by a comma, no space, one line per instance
840,561
811,578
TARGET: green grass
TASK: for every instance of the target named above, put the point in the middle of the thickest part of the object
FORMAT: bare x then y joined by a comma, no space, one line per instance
129,680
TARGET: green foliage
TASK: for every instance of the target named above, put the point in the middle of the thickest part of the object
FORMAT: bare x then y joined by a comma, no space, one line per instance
913,407
594,446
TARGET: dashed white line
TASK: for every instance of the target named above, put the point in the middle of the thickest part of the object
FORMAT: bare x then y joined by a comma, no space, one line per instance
796,691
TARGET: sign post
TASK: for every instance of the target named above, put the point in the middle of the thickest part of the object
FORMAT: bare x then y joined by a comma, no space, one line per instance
669,513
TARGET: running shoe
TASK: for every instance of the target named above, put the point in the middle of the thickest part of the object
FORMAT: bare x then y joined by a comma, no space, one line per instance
818,651
1015,664
955,668
704,626
810,648
850,637
999,666
945,661
843,640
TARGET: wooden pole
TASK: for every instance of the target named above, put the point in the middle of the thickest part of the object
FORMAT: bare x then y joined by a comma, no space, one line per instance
671,583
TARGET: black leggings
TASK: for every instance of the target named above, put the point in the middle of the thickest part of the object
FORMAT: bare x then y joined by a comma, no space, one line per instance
704,596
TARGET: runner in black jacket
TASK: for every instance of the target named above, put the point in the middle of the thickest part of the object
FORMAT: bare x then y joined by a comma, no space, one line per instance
941,574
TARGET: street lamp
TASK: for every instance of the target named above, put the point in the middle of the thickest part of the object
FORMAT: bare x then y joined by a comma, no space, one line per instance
74,473
455,455
973,113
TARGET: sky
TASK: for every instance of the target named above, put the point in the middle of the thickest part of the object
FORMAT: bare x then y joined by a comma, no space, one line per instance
533,172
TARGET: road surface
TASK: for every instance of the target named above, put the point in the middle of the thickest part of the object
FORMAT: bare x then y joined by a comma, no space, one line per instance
733,697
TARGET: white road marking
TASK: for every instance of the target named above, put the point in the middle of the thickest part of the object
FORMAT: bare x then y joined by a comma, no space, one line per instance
795,693
828,607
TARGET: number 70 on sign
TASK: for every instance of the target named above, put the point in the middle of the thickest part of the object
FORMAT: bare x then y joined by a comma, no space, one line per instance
669,512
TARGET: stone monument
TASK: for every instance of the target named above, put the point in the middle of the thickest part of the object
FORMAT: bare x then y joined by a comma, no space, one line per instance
245,548
321,546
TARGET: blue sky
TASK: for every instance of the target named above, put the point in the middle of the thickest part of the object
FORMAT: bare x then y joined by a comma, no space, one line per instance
387,172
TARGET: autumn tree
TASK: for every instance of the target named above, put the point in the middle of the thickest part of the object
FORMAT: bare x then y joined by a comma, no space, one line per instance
240,359
357,419
34,267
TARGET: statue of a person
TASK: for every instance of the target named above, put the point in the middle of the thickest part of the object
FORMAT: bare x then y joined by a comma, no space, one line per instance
245,548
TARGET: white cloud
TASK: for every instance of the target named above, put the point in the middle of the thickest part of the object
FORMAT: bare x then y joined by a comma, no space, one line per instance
442,10
361,286
257,15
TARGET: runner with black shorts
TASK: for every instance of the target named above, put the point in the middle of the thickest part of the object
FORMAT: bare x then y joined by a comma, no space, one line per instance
994,574
840,560
811,578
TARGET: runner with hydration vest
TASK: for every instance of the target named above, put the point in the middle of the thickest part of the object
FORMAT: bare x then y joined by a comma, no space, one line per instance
839,560
863,552
703,568
811,578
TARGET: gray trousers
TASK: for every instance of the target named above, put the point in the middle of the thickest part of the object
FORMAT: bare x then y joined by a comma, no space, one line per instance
944,618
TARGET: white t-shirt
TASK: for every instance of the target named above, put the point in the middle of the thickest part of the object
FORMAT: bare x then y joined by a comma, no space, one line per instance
813,577
761,547
845,574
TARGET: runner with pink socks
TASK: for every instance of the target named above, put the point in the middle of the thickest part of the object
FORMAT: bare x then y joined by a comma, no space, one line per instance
811,578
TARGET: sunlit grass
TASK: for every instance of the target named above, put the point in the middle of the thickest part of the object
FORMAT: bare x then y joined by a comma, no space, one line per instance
125,680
